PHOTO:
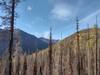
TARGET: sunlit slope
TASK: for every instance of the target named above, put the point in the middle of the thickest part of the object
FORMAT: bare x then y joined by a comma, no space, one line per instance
70,60
69,48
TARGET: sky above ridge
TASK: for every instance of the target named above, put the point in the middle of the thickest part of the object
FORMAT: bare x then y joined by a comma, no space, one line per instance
36,16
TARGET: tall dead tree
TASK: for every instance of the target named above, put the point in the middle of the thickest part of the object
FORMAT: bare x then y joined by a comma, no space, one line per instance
88,49
18,67
1,63
35,64
96,35
25,65
41,70
50,52
70,60
78,46
12,11
11,37
42,66
17,54
60,60
9,9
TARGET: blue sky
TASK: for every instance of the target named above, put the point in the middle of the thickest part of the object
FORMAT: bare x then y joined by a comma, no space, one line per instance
36,16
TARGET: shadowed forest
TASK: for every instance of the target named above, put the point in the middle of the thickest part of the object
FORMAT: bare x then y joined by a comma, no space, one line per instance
77,54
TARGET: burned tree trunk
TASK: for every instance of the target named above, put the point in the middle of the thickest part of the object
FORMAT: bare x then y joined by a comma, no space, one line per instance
11,37
8,6
78,46
99,60
88,54
18,66
40,70
35,65
96,38
25,66
60,59
50,53
61,72
35,62
70,61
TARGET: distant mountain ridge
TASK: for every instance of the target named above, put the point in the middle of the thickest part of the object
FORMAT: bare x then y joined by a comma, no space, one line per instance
29,43
47,40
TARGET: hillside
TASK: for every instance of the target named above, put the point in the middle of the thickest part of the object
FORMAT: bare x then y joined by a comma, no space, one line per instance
68,46
28,43
70,64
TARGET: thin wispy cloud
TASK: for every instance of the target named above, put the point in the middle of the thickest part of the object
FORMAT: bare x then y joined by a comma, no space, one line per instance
46,34
37,34
61,12
91,19
29,8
